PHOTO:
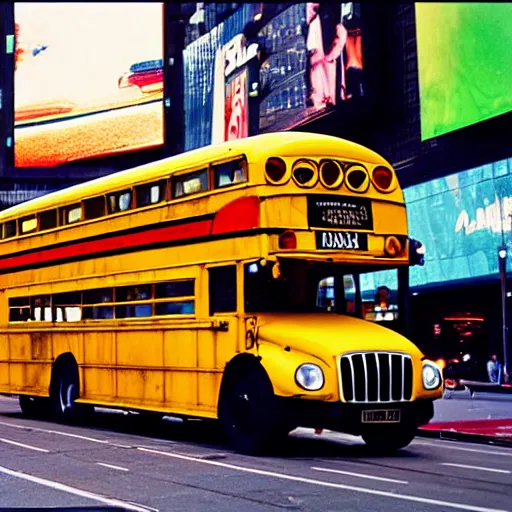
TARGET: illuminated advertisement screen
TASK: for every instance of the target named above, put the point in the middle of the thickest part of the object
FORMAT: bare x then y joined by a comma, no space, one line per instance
312,60
88,80
461,220
464,55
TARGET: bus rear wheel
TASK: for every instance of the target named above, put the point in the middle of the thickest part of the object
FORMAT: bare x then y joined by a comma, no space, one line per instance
64,391
247,410
388,441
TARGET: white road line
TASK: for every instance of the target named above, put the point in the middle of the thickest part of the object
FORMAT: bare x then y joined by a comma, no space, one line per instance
57,432
111,466
375,492
480,468
76,436
15,443
359,475
445,444
73,490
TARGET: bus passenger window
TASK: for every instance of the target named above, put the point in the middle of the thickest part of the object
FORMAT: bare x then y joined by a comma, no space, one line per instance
230,173
41,309
120,201
94,299
19,309
9,229
27,225
192,183
68,307
94,207
72,214
173,290
48,219
133,293
149,194
185,307
222,285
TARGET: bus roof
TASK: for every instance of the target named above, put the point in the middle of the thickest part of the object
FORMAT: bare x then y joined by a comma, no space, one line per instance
277,144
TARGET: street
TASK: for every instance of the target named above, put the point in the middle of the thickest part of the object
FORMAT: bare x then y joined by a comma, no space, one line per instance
138,463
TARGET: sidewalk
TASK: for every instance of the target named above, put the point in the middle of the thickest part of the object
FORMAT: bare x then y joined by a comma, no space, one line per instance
478,417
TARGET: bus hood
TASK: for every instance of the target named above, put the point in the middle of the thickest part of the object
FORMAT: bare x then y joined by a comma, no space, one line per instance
326,335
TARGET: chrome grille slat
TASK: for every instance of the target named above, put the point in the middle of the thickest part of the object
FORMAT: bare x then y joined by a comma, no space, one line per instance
378,377
353,378
379,385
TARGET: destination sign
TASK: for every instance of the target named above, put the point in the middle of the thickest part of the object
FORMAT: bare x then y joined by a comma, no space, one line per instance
327,211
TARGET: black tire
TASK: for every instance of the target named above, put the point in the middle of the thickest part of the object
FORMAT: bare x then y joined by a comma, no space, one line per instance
388,441
248,411
63,393
34,406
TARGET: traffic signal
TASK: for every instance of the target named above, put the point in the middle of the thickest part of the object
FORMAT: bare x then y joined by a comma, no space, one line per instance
416,253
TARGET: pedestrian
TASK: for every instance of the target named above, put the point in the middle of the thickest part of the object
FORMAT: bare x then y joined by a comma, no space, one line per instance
494,370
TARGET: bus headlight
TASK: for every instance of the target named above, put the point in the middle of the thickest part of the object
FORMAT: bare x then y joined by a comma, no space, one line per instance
431,376
310,376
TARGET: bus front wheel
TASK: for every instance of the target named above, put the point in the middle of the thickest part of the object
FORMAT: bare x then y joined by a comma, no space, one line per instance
247,409
388,440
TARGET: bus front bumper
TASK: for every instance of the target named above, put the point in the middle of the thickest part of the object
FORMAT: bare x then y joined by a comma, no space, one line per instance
351,418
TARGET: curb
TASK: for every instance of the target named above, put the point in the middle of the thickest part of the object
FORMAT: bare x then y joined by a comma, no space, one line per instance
450,435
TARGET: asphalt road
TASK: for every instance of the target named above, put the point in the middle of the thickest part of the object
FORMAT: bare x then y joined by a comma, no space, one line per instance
141,464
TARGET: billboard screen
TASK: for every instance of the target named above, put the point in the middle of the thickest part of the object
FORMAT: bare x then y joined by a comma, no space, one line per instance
464,54
88,80
311,60
461,219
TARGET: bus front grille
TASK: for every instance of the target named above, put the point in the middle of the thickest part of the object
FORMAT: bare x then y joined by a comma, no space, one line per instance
373,377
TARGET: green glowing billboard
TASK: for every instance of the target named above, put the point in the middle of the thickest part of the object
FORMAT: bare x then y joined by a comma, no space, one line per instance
464,63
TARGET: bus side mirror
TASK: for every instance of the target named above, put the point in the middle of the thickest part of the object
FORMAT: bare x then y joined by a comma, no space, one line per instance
416,253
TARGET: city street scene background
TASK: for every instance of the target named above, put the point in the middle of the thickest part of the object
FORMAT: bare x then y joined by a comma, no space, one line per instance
91,89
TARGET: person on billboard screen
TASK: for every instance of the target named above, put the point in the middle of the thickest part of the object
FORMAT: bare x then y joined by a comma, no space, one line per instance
325,40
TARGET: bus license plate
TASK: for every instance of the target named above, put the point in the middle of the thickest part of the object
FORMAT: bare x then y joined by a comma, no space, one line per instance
342,240
381,416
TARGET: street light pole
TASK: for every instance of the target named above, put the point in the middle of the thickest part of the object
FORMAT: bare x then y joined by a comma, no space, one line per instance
502,262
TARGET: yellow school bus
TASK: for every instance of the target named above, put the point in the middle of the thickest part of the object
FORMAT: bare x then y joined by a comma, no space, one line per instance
190,287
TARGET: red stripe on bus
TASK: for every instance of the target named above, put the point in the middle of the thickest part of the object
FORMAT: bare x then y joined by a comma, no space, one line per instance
196,229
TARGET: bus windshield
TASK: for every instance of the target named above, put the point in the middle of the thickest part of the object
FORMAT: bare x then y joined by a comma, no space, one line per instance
293,286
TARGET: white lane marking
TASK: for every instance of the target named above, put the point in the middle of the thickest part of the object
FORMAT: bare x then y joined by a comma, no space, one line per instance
22,445
418,499
111,466
359,475
73,490
445,444
57,432
480,468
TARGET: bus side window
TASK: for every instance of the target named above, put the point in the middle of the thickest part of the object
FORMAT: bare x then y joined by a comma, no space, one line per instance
48,219
94,207
230,173
150,193
9,229
41,309
72,214
222,286
19,309
182,293
67,307
120,201
191,183
92,300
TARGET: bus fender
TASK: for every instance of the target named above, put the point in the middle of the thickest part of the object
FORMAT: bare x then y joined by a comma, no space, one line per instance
281,363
